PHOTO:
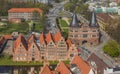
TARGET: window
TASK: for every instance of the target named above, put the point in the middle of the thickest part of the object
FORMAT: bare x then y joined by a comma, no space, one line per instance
76,31
76,35
71,30
71,35
94,30
93,35
85,31
85,35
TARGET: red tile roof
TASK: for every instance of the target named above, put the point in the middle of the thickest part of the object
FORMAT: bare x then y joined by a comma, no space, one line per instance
48,37
83,66
69,43
57,36
101,65
8,36
32,38
24,10
62,68
19,40
30,45
46,70
42,38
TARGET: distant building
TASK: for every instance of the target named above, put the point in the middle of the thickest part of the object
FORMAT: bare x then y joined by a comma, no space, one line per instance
81,33
48,47
44,1
103,19
19,14
115,70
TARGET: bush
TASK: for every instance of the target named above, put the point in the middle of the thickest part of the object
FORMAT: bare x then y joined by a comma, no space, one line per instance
112,48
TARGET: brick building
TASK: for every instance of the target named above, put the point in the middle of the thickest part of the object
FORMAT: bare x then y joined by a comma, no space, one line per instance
77,66
82,33
47,47
19,14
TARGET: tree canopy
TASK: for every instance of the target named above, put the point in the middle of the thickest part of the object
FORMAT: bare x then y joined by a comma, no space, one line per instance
6,5
79,6
112,48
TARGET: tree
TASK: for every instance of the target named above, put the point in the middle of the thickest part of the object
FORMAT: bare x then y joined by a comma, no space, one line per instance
113,29
112,48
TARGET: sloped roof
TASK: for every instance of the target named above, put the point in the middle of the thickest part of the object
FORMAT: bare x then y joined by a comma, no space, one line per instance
83,66
32,38
24,10
57,36
42,38
104,17
75,22
69,43
93,20
19,40
8,36
30,44
99,63
62,68
46,70
48,37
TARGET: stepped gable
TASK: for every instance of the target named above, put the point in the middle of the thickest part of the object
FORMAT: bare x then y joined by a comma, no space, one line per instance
46,70
30,44
19,40
83,66
62,68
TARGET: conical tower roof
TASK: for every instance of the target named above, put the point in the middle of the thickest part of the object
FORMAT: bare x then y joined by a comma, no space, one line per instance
75,22
93,21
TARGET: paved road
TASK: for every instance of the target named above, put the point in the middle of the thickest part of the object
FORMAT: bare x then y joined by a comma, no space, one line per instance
53,13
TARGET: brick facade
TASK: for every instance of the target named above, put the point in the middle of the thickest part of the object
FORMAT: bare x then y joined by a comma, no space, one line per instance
47,47
19,14
82,33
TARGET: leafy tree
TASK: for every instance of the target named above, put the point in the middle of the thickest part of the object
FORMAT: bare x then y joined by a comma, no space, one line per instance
113,29
112,48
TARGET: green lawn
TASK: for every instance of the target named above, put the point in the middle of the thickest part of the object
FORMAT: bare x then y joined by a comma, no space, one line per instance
6,60
19,27
63,23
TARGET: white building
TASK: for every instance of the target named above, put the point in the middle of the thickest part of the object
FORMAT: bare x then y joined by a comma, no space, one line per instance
115,70
45,1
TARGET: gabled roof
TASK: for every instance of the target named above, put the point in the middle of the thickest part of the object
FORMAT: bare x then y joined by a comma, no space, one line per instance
19,40
42,38
24,10
57,36
32,38
48,37
75,22
46,70
93,21
62,68
83,66
99,63
30,44
69,43
8,37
